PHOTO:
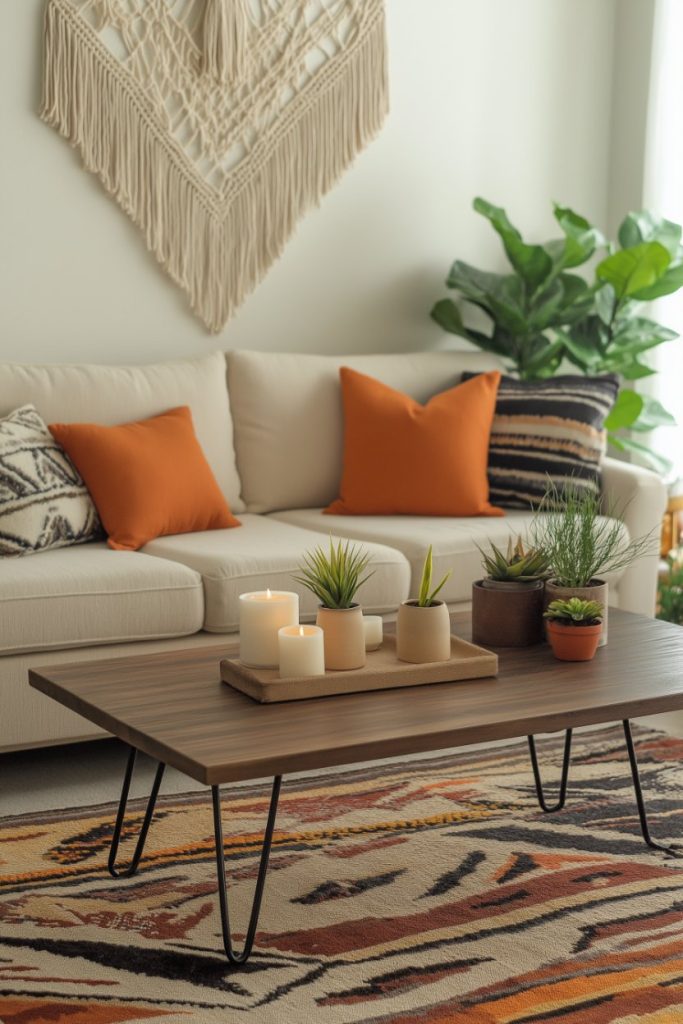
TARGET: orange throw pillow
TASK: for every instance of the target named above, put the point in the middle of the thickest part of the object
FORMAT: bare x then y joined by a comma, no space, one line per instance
403,458
147,479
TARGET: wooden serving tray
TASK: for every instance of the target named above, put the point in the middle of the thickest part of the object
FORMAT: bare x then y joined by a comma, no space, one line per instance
382,671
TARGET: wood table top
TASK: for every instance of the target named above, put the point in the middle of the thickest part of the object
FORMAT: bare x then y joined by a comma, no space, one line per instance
174,707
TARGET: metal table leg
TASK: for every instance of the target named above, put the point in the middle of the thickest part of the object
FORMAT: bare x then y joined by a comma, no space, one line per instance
563,781
133,866
673,851
233,957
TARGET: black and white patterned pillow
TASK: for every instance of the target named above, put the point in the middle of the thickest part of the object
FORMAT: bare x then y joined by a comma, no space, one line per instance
547,428
43,500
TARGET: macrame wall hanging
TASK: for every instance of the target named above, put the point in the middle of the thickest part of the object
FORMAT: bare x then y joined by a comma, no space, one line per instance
215,123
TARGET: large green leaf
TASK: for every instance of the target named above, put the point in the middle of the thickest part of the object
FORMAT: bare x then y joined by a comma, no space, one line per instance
510,317
500,295
547,359
576,302
636,371
604,303
625,411
580,350
531,262
653,415
581,239
546,305
631,270
585,343
641,327
473,282
644,226
628,346
646,454
447,315
667,284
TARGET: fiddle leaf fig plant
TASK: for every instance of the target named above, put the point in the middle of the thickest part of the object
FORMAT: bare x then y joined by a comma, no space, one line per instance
540,314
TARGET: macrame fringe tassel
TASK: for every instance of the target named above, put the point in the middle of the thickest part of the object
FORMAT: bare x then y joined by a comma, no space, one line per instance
217,253
226,39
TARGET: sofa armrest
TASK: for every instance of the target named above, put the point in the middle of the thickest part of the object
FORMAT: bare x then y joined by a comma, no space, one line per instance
640,496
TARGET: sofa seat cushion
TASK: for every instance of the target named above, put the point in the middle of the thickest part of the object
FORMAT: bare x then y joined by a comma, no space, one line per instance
267,553
454,541
86,595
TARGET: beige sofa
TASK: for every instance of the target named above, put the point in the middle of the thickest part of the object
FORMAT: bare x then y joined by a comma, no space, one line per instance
273,437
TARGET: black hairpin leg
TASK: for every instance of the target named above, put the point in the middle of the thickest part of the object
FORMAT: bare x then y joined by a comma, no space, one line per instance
563,781
140,845
233,957
642,813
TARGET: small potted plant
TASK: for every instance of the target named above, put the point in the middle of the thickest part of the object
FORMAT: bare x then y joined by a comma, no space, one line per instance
423,627
335,579
670,589
507,606
574,628
584,542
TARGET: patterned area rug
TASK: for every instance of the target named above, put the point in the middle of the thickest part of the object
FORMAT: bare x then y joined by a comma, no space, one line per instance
432,891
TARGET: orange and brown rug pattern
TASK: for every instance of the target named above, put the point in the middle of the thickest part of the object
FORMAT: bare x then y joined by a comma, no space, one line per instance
431,891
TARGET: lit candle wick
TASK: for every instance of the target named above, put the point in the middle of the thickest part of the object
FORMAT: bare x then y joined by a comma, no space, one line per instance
268,593
301,630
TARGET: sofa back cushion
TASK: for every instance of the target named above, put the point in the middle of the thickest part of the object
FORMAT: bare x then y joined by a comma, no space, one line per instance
288,419
111,395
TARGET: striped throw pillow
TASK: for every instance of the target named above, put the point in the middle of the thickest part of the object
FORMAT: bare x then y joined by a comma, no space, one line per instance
43,500
547,428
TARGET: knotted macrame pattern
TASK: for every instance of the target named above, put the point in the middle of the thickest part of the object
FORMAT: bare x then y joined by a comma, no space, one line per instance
215,123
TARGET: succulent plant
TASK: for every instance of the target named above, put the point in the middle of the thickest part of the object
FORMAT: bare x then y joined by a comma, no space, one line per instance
334,578
426,595
517,565
575,612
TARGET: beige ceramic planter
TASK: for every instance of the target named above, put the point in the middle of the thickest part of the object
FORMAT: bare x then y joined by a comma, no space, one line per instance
595,591
423,634
343,636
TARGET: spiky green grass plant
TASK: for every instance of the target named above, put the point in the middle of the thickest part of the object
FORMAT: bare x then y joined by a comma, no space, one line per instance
583,540
335,577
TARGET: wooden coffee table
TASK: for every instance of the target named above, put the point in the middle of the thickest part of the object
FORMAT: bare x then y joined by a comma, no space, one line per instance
174,707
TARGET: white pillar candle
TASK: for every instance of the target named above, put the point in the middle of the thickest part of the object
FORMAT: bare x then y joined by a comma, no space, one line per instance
262,614
302,651
374,633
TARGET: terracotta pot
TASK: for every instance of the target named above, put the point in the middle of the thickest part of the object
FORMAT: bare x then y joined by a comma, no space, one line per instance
595,591
343,637
507,614
573,643
423,634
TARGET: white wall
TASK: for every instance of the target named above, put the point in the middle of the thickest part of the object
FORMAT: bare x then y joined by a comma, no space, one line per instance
632,59
510,100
